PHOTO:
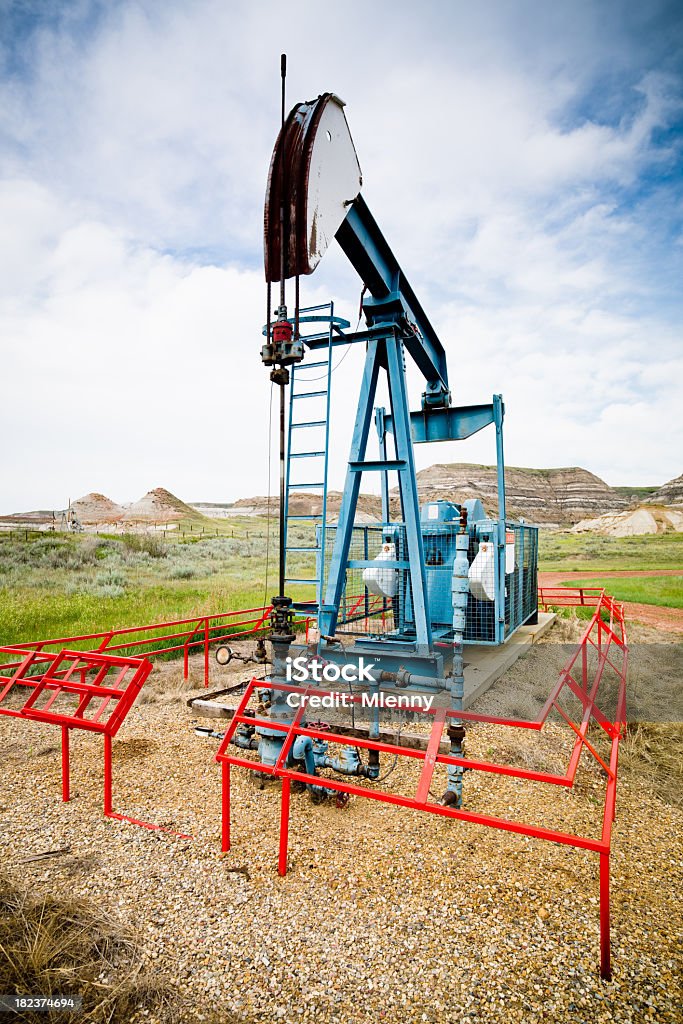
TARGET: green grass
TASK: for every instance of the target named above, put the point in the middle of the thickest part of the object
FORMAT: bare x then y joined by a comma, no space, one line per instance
55,584
28,615
591,552
64,585
635,492
665,591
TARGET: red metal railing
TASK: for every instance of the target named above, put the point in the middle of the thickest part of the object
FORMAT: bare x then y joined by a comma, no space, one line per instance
75,690
605,633
363,609
569,597
151,642
201,631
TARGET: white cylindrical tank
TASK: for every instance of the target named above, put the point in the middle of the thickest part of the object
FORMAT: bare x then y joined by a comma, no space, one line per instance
482,574
382,581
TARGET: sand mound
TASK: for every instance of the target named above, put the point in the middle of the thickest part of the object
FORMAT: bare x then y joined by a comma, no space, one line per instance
671,493
159,506
633,523
96,508
560,496
303,503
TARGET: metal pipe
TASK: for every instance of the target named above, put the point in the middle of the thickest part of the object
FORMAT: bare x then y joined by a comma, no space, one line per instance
460,591
282,552
269,312
225,807
284,828
107,774
605,964
65,763
283,76
281,314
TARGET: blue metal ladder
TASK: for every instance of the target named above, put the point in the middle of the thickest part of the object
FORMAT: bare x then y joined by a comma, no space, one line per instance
306,461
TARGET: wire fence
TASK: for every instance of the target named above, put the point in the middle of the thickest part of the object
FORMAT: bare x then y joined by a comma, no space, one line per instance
385,605
167,532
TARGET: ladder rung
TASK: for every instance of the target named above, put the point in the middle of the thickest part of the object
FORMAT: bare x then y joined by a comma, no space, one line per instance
310,423
309,394
291,579
309,366
303,487
319,516
304,455
306,549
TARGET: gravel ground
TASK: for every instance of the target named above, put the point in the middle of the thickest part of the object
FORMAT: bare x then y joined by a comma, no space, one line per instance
385,914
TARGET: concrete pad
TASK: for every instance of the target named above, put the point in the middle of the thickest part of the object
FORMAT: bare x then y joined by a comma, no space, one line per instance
483,665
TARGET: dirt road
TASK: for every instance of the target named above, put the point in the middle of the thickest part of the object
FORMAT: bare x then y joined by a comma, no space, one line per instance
670,619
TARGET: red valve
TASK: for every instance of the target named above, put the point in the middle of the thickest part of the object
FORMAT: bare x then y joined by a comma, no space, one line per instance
282,332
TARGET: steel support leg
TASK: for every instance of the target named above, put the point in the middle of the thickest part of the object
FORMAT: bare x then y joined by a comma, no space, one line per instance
336,578
284,828
605,964
225,835
107,774
410,504
65,764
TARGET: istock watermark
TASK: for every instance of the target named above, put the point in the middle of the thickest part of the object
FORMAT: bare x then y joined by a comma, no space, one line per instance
394,701
312,670
307,670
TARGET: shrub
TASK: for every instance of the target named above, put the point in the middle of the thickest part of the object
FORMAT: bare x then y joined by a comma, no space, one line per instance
110,577
183,572
107,590
152,543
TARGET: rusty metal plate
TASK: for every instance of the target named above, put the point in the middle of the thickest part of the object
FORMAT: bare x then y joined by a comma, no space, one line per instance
315,168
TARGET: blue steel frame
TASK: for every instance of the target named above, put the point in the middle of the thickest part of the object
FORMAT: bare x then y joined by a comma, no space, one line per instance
396,324
456,424
430,424
387,353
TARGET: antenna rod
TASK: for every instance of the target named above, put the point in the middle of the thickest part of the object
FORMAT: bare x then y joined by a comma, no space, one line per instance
283,77
280,352
281,314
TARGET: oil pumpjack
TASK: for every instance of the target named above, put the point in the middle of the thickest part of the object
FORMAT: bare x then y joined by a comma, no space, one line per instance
436,577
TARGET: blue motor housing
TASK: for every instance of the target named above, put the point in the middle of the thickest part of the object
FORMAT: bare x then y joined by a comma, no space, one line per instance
439,551
440,523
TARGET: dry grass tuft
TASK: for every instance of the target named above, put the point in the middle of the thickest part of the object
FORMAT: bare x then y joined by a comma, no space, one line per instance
654,752
60,946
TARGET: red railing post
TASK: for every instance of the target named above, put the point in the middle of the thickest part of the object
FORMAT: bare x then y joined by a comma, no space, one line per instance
284,828
106,641
65,763
584,665
605,964
206,651
225,807
186,647
107,774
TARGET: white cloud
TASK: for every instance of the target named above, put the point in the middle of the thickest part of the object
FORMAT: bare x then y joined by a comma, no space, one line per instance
134,171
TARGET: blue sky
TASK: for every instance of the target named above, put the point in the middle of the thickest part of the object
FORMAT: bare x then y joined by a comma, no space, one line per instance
523,159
